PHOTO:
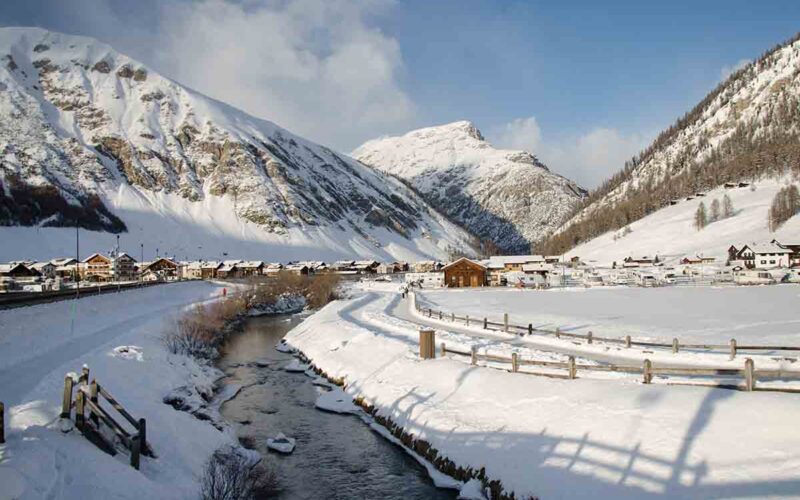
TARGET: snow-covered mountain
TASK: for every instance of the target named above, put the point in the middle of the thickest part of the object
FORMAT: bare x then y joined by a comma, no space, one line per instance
89,134
746,129
508,197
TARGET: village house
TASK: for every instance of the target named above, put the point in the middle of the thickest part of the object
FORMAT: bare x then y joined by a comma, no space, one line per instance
46,269
697,260
299,269
427,266
208,270
227,269
464,273
96,267
19,271
249,268
771,256
642,261
495,271
744,257
193,271
162,269
366,266
65,267
794,258
123,267
273,268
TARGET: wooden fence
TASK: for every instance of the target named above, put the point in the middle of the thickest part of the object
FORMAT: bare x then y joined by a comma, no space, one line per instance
88,398
2,423
732,347
646,369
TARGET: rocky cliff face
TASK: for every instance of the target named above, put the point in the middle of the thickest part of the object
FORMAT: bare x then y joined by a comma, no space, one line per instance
508,197
78,120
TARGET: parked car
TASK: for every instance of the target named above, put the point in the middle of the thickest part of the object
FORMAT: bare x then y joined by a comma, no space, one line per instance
593,281
751,277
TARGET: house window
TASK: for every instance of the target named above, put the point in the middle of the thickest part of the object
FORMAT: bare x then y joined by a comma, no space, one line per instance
763,261
772,262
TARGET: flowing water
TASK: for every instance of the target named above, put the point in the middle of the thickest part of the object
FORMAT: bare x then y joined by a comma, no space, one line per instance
337,456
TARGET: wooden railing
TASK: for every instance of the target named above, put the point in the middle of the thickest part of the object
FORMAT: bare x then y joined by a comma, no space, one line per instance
2,423
732,347
647,370
87,399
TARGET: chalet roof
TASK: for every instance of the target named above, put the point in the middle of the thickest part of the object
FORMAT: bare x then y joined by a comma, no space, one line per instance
770,248
516,259
87,259
195,265
210,265
41,265
64,261
530,268
123,255
463,259
250,264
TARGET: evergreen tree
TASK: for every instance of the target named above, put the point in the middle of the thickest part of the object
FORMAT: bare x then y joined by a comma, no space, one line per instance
727,207
714,215
785,205
700,218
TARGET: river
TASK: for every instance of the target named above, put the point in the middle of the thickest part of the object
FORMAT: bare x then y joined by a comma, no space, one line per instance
337,456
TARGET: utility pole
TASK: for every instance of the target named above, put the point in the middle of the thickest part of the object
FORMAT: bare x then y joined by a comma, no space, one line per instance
116,266
77,260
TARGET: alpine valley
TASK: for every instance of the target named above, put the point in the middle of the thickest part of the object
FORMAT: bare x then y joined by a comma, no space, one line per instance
90,135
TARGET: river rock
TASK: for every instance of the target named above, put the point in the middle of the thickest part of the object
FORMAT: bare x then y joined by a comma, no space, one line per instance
281,443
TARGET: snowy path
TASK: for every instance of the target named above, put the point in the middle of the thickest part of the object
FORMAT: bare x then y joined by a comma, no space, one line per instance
554,438
500,342
118,336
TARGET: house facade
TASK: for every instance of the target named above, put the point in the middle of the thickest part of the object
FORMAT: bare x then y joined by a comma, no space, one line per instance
96,267
464,273
771,256
124,268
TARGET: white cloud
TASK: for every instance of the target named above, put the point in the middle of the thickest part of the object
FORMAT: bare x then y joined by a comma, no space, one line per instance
315,67
728,70
588,159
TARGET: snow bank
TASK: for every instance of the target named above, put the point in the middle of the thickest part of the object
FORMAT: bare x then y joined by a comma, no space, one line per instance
118,336
559,438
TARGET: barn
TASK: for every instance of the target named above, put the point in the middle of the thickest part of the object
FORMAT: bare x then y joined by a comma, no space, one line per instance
464,273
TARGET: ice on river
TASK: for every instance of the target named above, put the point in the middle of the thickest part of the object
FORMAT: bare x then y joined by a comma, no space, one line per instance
281,443
336,401
296,366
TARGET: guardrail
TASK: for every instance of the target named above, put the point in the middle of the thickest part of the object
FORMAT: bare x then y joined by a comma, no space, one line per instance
87,398
647,369
676,345
17,299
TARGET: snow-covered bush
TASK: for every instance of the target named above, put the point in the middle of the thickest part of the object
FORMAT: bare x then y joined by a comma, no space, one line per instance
232,474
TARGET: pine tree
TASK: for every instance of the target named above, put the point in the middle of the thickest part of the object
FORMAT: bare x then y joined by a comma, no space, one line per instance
727,207
714,215
700,219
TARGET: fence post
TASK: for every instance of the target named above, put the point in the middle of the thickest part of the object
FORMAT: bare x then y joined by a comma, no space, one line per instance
675,346
485,323
467,319
93,398
84,378
2,423
589,336
647,370
733,348
136,450
66,402
474,353
749,375
505,322
514,361
430,312
444,350
440,315
79,413
453,317
530,328
143,435
427,343
558,332
573,371
627,340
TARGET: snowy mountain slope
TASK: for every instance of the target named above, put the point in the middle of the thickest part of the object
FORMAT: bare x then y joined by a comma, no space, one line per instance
670,232
505,196
747,128
89,134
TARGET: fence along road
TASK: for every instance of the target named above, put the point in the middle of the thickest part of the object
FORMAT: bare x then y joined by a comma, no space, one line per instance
618,356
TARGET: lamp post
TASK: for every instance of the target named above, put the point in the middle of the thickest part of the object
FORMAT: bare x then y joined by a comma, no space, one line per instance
77,260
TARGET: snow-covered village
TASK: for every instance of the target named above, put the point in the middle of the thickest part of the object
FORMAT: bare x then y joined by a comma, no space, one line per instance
346,249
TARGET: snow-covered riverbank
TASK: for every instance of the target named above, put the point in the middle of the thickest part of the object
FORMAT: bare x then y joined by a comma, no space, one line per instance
558,438
118,337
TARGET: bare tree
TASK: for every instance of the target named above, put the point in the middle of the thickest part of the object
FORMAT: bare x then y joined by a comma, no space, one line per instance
231,475
700,218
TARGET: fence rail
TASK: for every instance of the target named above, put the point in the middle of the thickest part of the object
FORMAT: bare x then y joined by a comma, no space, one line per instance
87,397
732,348
748,372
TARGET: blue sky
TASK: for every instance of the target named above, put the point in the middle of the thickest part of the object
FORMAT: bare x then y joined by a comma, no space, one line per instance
582,84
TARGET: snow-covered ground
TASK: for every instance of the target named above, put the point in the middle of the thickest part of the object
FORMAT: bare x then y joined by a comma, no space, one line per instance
670,232
118,337
751,315
557,438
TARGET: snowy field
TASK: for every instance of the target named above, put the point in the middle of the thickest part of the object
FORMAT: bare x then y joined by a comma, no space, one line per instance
756,314
118,336
670,233
558,438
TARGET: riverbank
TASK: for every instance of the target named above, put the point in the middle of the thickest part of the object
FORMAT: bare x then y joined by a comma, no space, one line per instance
539,436
119,338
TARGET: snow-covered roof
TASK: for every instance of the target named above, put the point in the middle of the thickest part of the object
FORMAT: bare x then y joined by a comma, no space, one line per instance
767,248
516,259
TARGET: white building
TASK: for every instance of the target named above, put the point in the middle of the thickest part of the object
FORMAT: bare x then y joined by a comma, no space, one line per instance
771,256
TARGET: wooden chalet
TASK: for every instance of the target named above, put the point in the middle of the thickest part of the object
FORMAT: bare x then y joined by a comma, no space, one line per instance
124,267
464,273
97,267
161,269
18,271
208,270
